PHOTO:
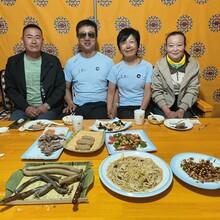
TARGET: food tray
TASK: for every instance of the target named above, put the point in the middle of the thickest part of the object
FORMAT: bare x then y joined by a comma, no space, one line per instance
94,127
71,142
52,197
161,187
150,146
34,152
175,165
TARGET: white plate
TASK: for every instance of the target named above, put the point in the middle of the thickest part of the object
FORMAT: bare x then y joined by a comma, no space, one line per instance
165,183
170,123
150,146
30,123
34,151
180,173
95,128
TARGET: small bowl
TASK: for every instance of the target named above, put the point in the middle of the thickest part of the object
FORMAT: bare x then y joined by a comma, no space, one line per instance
152,120
4,129
68,120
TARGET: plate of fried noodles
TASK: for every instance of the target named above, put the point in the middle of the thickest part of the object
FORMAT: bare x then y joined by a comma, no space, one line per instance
135,174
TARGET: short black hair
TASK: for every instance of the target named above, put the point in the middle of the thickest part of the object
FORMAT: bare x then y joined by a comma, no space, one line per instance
125,33
31,26
176,33
86,22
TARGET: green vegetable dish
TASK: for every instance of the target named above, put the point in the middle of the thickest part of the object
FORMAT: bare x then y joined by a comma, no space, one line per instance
127,141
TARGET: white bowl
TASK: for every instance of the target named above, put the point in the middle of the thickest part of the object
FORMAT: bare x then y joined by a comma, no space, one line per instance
4,129
152,120
68,119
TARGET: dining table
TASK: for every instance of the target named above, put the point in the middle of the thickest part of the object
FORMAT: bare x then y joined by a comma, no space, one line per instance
178,201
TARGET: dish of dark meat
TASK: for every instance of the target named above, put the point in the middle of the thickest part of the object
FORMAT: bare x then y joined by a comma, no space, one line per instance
48,143
202,171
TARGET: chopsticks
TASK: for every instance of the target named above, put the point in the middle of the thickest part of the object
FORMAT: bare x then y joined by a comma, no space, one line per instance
203,126
155,117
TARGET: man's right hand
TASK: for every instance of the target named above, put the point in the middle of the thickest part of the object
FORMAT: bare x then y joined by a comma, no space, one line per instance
31,112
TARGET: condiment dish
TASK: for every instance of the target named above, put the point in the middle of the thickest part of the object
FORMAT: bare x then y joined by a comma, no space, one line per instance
4,129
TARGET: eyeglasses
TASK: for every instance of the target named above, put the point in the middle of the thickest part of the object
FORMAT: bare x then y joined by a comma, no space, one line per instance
83,35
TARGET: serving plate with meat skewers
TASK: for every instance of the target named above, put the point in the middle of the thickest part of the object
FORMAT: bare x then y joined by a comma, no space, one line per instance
49,145
199,170
48,183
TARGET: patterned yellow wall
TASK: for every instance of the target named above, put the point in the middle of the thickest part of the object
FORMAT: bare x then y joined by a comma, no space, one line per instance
198,19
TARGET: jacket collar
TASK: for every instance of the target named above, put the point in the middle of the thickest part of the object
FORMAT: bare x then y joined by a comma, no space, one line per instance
164,68
182,68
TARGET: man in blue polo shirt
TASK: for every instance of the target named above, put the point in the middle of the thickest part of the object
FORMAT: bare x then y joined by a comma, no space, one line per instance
86,75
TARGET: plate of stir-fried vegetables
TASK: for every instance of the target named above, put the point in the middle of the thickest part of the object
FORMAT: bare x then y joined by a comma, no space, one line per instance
128,140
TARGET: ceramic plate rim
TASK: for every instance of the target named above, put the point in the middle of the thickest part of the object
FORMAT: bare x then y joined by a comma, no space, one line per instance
143,136
29,123
159,189
181,174
188,124
94,128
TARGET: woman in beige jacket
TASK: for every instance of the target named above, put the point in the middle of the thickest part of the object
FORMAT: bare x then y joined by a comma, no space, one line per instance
175,81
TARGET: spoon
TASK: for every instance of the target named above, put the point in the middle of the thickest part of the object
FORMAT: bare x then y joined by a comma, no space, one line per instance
203,126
